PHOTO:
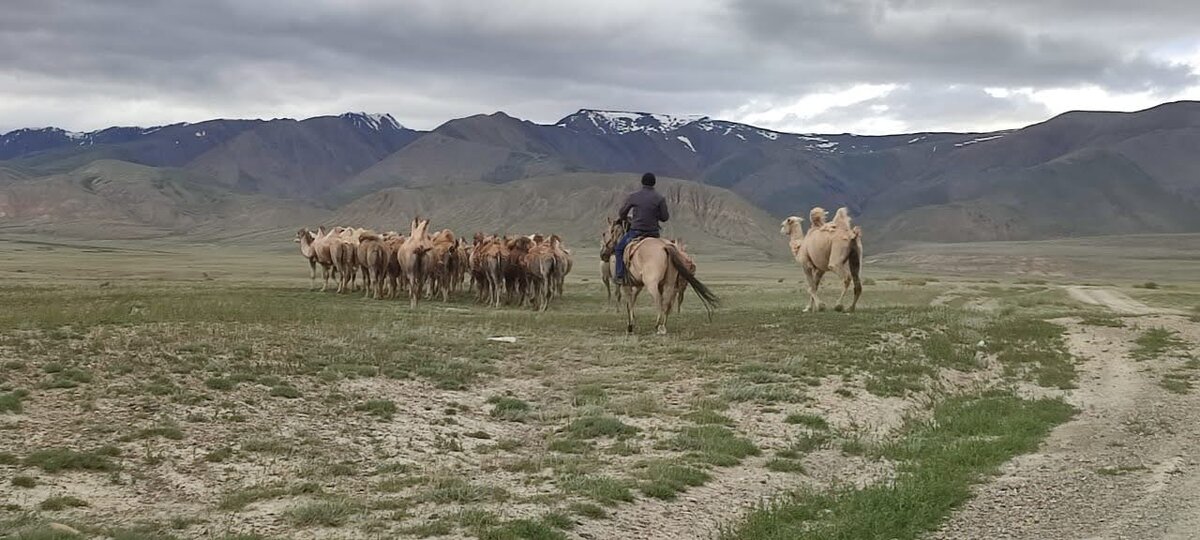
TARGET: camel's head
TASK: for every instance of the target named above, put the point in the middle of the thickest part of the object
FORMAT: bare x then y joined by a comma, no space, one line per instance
790,224
301,235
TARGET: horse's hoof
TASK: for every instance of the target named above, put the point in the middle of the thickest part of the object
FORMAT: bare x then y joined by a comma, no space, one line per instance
838,308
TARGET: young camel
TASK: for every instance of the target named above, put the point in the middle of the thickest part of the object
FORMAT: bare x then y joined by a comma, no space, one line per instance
413,260
835,247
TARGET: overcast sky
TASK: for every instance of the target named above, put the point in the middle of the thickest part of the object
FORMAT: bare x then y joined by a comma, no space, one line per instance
862,66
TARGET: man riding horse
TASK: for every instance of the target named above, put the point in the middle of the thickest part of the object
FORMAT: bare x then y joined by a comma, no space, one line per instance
649,208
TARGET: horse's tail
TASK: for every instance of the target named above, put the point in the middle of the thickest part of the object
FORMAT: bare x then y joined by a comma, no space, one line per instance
707,297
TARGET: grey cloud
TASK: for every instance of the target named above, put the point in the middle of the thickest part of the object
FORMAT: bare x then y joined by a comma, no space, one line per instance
427,61
952,108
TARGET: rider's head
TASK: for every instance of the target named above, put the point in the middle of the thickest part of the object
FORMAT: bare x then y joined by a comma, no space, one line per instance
648,179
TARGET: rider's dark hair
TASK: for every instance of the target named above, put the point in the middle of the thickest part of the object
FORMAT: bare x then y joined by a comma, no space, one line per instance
648,179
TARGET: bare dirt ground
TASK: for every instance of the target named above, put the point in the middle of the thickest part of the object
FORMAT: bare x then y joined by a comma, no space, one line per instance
1128,465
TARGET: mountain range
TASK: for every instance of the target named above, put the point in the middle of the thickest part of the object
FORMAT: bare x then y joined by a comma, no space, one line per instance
1077,174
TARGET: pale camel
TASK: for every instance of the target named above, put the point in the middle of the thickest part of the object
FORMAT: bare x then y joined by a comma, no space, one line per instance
539,266
413,261
562,263
653,264
825,249
492,255
321,244
305,238
342,252
373,259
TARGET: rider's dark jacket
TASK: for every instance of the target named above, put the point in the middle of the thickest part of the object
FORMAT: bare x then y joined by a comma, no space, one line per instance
649,208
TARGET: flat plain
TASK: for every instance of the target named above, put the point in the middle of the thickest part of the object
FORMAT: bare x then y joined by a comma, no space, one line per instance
154,390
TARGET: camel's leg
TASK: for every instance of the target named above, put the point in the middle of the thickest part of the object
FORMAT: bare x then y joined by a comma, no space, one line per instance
843,273
630,295
816,286
312,274
808,280
325,276
857,291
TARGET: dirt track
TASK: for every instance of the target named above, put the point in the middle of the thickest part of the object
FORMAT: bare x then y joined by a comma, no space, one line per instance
1128,465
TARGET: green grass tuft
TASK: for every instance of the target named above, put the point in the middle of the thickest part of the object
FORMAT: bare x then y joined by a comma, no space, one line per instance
938,460
61,459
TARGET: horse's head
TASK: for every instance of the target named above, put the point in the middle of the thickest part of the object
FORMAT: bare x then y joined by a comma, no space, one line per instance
608,240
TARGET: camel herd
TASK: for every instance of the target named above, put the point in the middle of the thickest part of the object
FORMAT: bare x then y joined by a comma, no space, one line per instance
513,270
502,269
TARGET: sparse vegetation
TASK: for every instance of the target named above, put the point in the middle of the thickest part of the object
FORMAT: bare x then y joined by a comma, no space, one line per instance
1156,342
379,408
60,459
53,504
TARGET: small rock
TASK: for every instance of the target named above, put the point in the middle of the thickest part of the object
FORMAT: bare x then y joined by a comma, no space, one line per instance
63,528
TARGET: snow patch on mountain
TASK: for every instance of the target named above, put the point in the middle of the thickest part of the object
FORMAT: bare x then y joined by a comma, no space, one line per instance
978,140
625,122
373,121
687,142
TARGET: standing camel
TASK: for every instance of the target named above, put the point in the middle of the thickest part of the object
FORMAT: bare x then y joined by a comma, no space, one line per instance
373,260
305,238
653,264
835,247
413,260
321,245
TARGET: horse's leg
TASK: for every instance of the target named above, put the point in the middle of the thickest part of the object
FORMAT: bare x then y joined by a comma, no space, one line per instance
630,296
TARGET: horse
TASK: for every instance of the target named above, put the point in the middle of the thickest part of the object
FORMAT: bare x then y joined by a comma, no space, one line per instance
655,265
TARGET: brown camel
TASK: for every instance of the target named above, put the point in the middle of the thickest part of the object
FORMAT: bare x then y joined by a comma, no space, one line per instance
442,263
653,264
516,279
413,260
396,281
835,247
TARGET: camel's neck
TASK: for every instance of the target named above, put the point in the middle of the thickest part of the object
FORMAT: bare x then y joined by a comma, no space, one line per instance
796,237
306,247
